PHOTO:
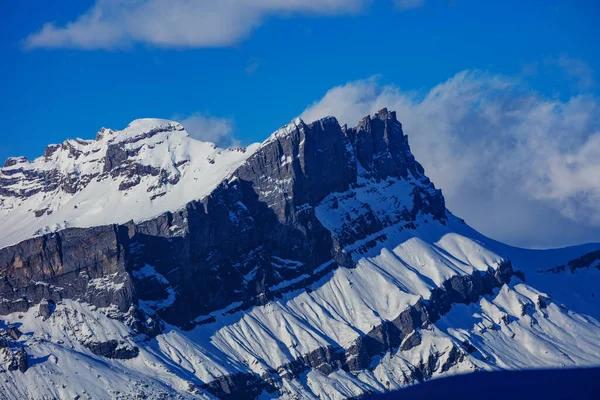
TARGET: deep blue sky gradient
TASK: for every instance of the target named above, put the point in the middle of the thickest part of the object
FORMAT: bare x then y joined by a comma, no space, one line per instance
51,95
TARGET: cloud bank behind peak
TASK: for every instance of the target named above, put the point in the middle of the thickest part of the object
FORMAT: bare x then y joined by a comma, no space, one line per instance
513,163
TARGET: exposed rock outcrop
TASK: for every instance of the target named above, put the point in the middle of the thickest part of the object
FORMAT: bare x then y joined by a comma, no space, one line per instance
22,360
83,264
13,360
585,261
113,349
14,332
46,308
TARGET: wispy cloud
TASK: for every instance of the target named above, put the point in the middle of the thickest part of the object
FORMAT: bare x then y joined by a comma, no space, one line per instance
113,24
207,128
577,70
408,4
252,66
517,165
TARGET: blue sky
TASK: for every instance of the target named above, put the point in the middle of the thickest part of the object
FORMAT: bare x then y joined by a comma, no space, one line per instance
255,65
52,94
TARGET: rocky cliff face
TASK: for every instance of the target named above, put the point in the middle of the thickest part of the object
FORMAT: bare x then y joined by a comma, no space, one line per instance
84,264
257,229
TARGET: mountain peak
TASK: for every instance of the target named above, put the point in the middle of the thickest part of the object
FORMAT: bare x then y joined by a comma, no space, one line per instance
139,128
149,167
146,125
298,123
153,166
384,114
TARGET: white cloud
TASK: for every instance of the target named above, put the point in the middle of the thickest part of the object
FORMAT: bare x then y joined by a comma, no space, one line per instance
577,70
408,4
177,23
210,129
252,66
519,166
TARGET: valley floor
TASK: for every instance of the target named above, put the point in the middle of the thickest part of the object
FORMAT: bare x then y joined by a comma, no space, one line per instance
553,384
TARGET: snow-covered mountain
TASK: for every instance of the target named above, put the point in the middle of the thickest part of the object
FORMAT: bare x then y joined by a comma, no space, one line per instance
321,263
150,167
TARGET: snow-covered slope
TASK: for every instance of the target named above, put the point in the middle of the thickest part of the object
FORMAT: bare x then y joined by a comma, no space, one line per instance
150,167
324,267
509,328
